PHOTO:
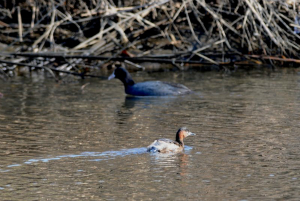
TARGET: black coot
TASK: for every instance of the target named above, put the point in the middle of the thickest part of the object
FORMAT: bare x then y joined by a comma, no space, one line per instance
149,88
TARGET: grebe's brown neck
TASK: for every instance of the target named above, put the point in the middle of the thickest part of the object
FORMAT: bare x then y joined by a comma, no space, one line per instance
179,137
182,133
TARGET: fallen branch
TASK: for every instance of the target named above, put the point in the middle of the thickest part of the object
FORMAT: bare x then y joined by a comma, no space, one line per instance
274,58
82,75
133,59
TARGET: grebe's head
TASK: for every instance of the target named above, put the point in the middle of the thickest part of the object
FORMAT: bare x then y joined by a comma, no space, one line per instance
182,133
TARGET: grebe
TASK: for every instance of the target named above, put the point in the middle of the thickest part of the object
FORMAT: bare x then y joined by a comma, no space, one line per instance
166,145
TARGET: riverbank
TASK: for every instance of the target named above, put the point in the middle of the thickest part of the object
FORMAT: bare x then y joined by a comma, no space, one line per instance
81,37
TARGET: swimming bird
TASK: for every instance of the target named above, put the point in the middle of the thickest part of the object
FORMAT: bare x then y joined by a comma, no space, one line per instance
148,88
166,145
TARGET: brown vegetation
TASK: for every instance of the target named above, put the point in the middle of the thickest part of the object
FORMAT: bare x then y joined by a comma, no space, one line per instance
77,36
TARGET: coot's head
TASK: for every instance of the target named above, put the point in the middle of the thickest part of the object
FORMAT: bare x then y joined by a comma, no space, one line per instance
123,75
183,133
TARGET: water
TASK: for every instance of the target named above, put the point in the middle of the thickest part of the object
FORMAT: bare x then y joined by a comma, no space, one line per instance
62,142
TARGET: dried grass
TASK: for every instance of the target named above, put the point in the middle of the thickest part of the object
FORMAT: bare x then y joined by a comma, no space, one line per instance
187,30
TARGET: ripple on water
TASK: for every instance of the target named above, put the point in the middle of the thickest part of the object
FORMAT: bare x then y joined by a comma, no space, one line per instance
57,139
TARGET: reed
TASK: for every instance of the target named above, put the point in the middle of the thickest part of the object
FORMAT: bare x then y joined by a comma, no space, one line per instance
205,32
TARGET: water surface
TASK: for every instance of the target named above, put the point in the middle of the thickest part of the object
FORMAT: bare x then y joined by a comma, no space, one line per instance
62,142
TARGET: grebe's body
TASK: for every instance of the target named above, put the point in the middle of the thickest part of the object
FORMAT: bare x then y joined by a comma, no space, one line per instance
166,145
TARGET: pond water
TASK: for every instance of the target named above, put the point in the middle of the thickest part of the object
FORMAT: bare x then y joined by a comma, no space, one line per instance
61,142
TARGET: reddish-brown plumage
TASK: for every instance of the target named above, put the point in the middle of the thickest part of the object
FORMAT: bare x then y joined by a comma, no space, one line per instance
179,137
166,145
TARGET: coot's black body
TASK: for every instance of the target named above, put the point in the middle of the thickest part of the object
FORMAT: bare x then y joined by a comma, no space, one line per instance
148,88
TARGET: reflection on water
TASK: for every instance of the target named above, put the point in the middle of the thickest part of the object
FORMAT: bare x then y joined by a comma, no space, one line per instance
146,102
61,142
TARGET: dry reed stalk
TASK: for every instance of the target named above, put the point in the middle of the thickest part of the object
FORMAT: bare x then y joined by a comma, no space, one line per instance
124,21
20,24
33,16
